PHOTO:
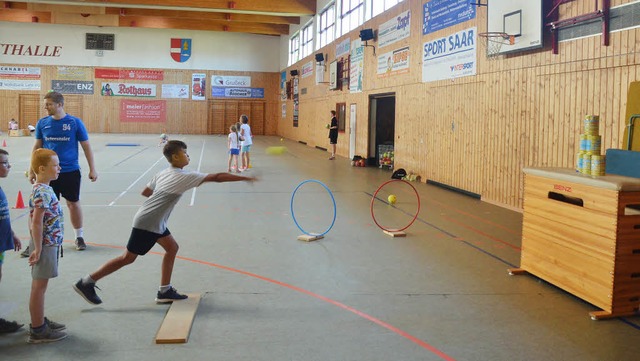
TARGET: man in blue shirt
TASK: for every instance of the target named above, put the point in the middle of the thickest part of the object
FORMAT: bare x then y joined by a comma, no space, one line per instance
61,133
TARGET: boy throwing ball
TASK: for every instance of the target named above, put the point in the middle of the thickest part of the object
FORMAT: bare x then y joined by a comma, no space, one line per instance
150,223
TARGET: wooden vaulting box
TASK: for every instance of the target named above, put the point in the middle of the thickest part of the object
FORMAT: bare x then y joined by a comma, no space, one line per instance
582,234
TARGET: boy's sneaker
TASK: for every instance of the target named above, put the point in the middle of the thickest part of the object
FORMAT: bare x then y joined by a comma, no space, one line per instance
169,296
25,253
80,245
46,335
56,326
88,292
9,326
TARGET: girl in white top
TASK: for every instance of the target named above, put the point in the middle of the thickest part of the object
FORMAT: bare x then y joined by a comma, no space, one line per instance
245,133
233,143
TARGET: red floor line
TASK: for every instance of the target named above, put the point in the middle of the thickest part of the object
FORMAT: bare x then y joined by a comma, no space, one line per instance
333,302
381,323
475,217
483,233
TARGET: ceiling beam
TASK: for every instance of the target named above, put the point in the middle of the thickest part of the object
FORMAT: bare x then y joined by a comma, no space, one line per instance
287,20
266,7
196,24
247,16
21,16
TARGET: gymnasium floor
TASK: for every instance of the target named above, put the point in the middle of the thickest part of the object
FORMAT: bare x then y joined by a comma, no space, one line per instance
442,292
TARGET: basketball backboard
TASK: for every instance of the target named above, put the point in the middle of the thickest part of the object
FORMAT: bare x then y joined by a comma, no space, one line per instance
521,18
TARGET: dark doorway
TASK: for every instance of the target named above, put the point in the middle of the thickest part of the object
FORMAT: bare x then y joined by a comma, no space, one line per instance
382,123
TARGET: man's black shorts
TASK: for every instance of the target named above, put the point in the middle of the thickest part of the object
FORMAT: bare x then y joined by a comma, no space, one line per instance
67,184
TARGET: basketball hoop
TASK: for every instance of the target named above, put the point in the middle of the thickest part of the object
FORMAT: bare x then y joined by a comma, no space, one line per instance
493,41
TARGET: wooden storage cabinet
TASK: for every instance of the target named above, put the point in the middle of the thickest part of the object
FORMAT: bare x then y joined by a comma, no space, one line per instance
580,234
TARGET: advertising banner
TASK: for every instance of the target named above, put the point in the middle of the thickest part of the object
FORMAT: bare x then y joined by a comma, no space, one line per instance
179,91
342,48
237,92
296,102
307,69
73,73
17,84
72,86
394,62
231,81
130,74
440,14
450,57
357,66
395,29
19,72
139,111
198,86
128,90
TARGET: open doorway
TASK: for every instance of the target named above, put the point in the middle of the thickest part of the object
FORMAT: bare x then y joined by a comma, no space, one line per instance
382,124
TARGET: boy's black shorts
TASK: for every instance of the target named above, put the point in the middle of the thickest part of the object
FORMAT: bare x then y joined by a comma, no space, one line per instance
67,184
141,241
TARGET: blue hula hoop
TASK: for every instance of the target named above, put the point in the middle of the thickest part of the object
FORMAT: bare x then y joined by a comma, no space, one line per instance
293,215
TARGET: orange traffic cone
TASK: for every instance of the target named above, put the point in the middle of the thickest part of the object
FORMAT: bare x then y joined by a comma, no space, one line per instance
4,143
19,201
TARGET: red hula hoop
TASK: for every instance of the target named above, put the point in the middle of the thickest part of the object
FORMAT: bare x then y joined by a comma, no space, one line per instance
373,199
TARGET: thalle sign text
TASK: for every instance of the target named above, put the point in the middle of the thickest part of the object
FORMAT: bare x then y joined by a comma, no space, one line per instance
30,50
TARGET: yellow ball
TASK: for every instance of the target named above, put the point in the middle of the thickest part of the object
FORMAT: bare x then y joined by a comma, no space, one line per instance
276,150
282,139
392,199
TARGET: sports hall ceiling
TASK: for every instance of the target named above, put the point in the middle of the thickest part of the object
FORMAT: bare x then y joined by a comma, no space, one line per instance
268,17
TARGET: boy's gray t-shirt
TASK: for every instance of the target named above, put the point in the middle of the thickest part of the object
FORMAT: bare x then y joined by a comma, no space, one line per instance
168,186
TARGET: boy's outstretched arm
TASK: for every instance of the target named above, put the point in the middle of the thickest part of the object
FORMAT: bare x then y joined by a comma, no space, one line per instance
227,177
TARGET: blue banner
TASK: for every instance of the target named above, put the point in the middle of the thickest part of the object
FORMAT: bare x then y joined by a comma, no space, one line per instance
440,14
220,92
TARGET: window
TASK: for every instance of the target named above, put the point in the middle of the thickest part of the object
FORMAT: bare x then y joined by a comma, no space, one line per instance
327,26
379,6
351,16
307,40
294,49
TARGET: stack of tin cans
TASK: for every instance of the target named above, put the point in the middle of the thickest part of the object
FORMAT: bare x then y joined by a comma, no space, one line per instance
589,160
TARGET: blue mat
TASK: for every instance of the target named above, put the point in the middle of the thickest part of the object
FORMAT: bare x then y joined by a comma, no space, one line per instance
123,144
623,162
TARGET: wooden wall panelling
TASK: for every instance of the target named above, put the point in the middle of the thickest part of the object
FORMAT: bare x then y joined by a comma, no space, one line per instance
73,105
29,110
216,117
231,114
183,116
258,118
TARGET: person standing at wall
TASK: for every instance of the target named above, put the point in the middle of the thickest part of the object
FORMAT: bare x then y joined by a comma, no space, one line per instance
61,133
333,134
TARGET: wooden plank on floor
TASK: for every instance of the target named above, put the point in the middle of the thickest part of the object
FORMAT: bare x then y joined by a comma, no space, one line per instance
177,323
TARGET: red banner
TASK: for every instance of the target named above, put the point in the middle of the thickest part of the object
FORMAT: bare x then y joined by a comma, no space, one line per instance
139,111
129,74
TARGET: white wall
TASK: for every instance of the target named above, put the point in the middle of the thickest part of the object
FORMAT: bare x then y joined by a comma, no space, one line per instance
144,48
